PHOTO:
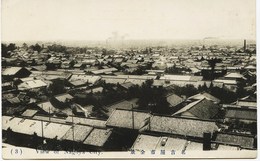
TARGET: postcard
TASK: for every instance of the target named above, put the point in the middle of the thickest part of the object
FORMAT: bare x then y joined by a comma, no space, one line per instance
129,79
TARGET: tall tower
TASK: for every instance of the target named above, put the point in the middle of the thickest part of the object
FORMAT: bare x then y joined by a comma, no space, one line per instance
244,45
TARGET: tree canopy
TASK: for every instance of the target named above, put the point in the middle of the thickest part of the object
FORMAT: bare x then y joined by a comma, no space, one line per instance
6,49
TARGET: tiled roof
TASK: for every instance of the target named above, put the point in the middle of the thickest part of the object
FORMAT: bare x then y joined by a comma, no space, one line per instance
63,97
246,103
98,137
181,126
78,82
8,121
80,133
227,147
55,130
203,109
124,119
100,71
14,100
205,95
237,113
11,70
120,105
87,121
145,142
47,107
127,85
176,77
29,112
225,81
47,118
31,84
31,127
114,80
174,100
232,139
234,75
136,81
145,77
196,78
84,78
149,142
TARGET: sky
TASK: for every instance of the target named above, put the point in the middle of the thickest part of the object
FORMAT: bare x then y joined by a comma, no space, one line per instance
29,20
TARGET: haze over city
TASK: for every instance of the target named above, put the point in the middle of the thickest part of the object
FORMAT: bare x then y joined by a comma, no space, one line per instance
47,20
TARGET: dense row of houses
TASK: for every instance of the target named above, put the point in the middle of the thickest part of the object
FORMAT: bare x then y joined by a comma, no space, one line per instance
143,131
199,122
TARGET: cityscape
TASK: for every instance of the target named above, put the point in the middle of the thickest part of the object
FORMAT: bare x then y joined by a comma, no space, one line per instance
122,94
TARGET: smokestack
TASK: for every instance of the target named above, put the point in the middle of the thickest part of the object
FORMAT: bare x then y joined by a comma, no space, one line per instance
206,141
244,45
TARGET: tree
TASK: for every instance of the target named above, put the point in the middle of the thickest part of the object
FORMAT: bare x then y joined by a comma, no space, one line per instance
25,46
11,47
139,71
203,87
57,87
104,51
57,48
36,47
212,63
188,90
153,99
176,70
6,49
34,62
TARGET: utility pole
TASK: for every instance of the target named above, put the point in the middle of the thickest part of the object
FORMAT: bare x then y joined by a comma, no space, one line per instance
42,128
72,133
49,113
149,126
133,117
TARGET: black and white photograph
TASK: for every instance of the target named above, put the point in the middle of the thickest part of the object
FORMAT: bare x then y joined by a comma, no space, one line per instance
128,79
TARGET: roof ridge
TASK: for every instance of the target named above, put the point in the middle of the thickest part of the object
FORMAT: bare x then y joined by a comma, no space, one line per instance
193,104
198,101
185,118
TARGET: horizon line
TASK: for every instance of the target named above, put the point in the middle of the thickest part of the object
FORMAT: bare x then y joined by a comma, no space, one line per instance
144,39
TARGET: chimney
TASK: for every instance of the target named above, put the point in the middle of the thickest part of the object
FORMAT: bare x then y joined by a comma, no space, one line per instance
244,45
206,141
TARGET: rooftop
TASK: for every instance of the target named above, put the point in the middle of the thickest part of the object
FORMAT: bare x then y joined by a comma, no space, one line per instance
80,133
232,139
29,113
47,107
124,104
203,109
87,121
181,126
64,97
11,70
234,75
31,84
98,137
174,100
243,114
205,95
127,119
247,103
150,142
